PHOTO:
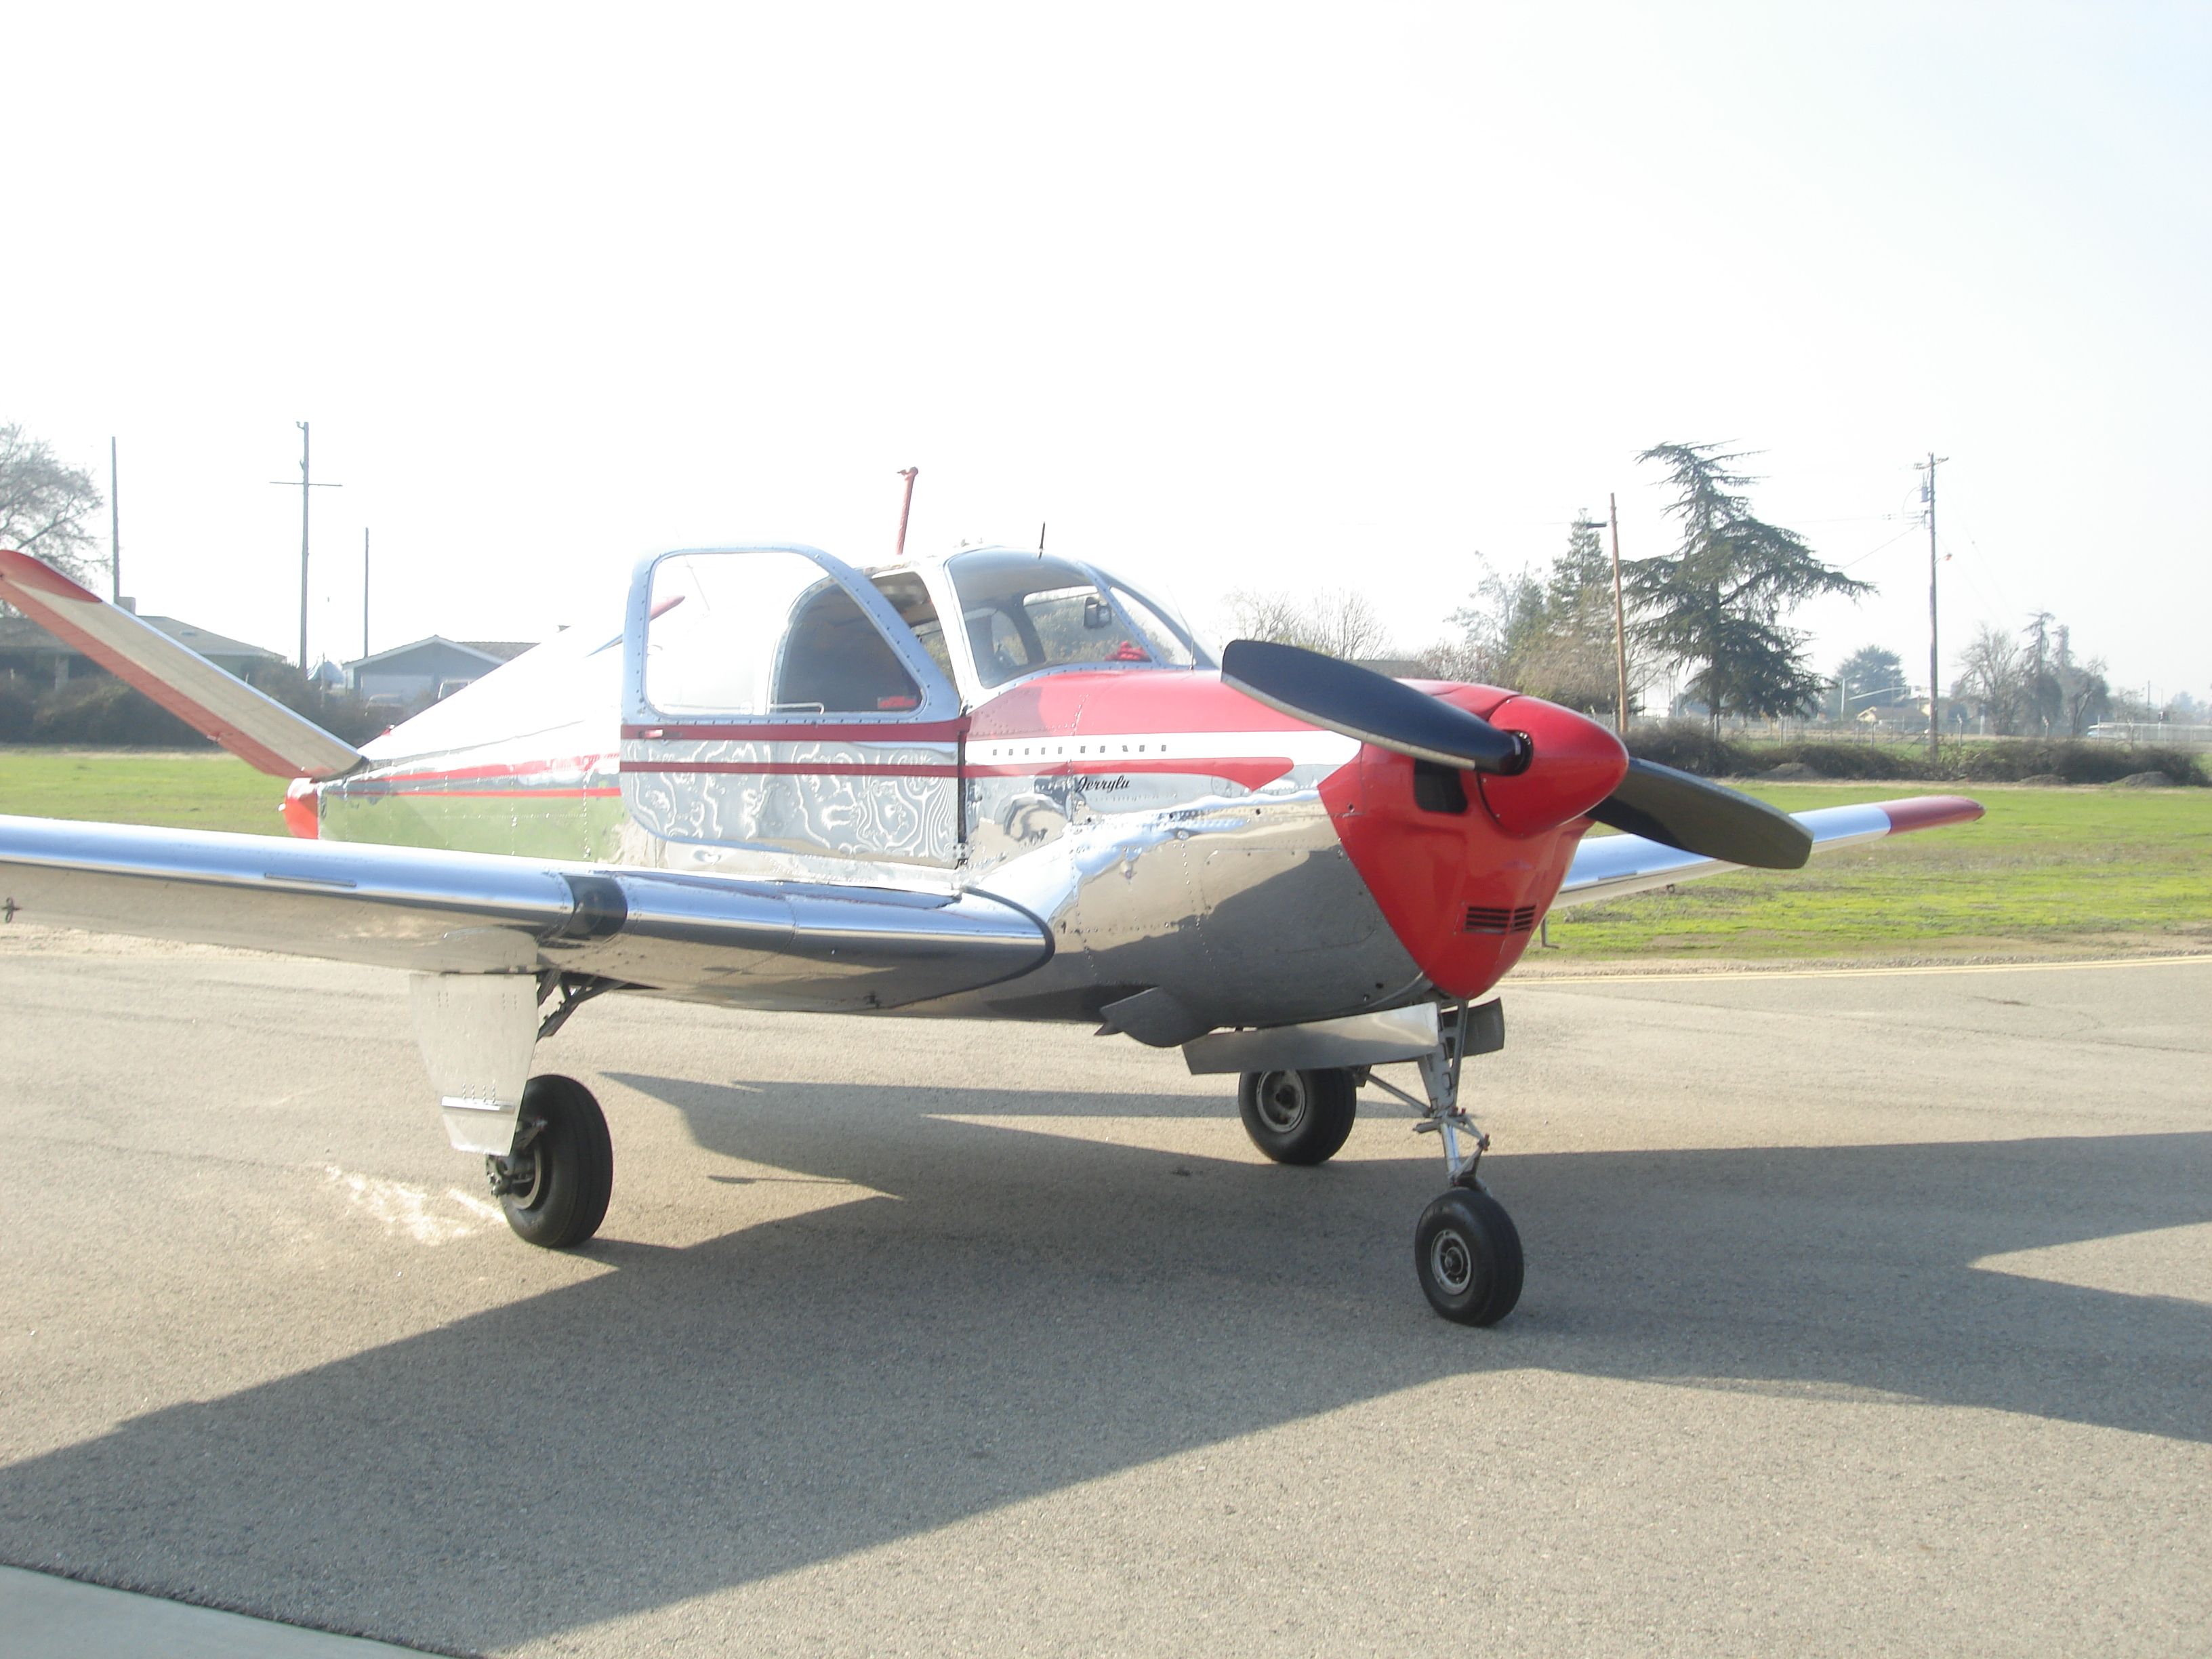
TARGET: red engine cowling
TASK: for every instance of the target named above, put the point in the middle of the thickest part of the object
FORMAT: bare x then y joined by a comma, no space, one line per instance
1464,865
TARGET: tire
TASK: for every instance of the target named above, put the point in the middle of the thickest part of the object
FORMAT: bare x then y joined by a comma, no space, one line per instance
1298,1117
1468,1255
560,1181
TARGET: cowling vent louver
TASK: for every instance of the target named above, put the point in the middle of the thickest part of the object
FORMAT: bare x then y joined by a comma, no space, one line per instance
1484,919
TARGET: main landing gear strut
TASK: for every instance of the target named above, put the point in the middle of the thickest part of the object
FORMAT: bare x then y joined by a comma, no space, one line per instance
1467,1253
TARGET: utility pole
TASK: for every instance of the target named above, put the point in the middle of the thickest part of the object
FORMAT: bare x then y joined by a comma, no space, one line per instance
905,507
364,590
307,483
114,530
1935,670
1619,620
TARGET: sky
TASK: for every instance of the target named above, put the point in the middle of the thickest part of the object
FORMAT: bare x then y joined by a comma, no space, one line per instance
1232,297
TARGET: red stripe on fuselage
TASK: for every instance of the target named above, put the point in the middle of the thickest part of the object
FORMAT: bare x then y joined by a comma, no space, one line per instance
889,733
794,768
478,774
1249,770
361,793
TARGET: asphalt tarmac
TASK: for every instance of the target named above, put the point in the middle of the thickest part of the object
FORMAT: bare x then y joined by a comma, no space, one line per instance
1865,1314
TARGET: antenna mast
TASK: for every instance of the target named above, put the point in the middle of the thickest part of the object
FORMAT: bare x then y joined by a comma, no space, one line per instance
905,507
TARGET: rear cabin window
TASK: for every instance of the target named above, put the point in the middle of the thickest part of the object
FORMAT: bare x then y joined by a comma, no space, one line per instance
765,633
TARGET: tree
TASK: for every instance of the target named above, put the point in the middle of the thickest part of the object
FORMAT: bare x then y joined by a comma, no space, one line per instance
1344,623
2085,697
1715,604
1870,678
44,503
1573,663
1583,575
1502,617
1272,614
2043,700
1551,638
1993,680
1337,622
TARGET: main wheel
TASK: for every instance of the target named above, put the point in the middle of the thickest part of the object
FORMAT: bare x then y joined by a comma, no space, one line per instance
1298,1117
1468,1256
555,1184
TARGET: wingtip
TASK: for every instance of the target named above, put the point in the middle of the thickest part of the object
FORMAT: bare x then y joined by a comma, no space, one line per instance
1929,812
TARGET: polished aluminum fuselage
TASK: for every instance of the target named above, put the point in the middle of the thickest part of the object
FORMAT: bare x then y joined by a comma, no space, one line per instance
1164,833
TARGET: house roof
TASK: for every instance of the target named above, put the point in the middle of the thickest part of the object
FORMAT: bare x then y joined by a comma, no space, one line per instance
494,652
21,633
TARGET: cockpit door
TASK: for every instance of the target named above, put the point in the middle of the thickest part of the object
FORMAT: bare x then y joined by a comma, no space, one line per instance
773,700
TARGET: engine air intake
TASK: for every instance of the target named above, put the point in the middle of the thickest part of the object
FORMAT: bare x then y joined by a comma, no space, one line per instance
1483,919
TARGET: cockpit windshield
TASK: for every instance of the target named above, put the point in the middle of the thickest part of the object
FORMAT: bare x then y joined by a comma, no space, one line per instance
1024,613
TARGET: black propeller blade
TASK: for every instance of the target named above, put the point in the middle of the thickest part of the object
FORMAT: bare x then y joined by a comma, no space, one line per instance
1654,801
1663,805
1361,703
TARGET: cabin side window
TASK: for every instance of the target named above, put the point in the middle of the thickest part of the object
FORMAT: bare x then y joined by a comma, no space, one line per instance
1024,613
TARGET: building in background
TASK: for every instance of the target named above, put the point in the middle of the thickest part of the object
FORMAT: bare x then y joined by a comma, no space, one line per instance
428,669
29,651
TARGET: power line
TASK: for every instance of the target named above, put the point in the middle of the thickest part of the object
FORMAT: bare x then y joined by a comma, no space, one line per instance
1883,546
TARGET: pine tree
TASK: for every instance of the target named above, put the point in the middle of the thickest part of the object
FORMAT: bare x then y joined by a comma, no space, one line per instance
1716,604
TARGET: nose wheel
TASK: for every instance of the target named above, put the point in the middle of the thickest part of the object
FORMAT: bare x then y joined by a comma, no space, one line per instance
1467,1254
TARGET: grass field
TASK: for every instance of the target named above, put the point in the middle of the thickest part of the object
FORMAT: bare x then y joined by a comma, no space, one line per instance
2083,870
2086,869
189,790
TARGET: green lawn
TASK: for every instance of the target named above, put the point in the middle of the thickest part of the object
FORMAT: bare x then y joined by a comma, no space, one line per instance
2069,870
188,790
2073,870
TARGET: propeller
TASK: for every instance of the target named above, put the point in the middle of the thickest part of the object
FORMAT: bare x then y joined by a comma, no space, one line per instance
1656,802
1359,702
1699,816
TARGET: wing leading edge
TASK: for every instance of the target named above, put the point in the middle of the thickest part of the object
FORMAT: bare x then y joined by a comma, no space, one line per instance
754,944
1612,866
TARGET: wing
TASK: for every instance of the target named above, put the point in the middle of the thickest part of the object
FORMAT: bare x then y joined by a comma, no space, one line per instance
1608,866
258,730
754,944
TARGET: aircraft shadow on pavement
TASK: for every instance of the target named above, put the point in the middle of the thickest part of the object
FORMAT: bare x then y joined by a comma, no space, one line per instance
1026,1311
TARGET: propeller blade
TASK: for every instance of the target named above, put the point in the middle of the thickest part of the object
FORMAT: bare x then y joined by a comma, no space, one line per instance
1700,817
1361,703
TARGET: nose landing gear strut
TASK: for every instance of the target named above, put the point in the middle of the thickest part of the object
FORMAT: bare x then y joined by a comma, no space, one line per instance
1467,1252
